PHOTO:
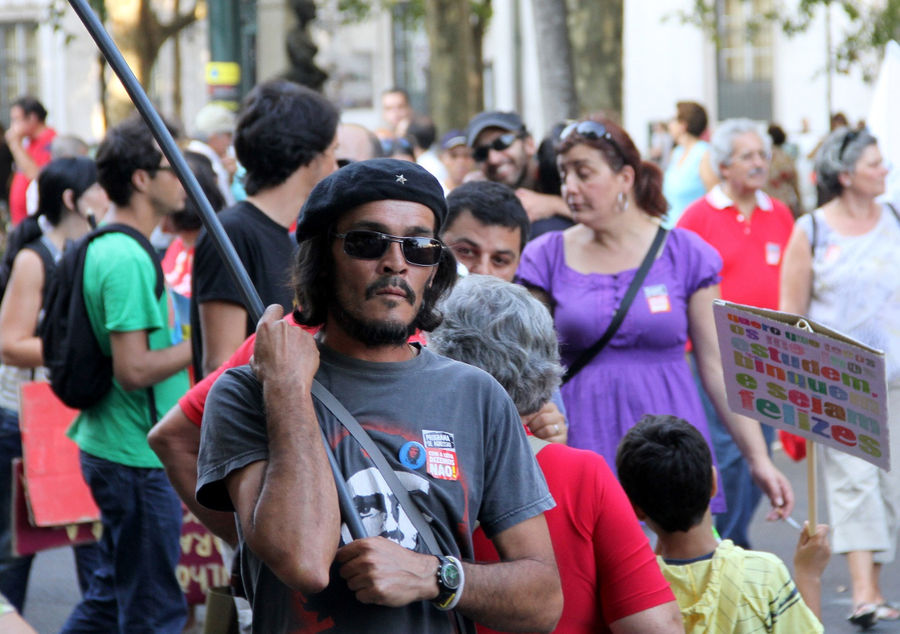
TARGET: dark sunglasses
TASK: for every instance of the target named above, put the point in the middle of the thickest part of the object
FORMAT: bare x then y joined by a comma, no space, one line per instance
848,139
593,131
502,142
371,245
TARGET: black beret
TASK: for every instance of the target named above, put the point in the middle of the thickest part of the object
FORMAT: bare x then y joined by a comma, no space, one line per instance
367,181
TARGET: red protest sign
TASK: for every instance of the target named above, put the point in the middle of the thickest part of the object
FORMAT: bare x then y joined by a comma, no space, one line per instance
57,493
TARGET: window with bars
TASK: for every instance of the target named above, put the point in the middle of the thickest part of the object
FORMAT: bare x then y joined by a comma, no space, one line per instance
744,61
18,64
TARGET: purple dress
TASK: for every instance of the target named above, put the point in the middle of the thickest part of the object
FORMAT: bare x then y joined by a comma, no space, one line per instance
643,369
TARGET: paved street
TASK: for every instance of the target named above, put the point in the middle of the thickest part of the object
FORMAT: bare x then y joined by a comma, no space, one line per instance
53,589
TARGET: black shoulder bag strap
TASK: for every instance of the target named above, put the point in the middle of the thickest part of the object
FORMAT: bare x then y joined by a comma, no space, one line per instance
347,420
619,317
894,211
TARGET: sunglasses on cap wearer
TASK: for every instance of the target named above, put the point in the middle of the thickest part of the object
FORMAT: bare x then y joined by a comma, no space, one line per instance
371,245
502,142
593,131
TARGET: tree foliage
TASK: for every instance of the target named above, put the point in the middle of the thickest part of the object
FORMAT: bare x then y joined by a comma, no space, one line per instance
139,31
871,26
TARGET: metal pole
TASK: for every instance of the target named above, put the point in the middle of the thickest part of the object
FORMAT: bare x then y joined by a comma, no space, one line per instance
170,149
238,273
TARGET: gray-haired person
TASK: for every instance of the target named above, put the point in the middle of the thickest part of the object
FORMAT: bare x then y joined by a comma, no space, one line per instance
749,229
840,268
499,327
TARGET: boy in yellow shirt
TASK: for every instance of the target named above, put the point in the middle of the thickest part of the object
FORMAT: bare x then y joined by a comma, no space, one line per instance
666,469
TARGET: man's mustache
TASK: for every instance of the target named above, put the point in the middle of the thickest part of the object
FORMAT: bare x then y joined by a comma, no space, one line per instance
388,282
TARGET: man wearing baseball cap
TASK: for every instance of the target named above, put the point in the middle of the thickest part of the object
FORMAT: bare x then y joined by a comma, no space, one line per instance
457,159
505,152
370,271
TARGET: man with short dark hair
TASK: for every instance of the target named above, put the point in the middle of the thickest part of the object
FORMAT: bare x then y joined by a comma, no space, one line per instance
28,138
370,271
285,138
505,152
487,228
135,588
396,110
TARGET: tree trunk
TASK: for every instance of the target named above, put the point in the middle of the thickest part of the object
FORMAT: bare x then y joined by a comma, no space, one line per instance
451,63
177,99
596,37
555,60
476,73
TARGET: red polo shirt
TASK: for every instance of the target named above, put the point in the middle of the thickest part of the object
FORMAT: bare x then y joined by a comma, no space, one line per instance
39,151
751,249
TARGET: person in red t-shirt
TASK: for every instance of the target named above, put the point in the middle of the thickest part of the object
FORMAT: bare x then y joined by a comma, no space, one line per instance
28,138
749,229
611,581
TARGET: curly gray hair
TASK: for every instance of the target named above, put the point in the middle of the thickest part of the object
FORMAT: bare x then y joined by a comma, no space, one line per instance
839,153
499,327
721,145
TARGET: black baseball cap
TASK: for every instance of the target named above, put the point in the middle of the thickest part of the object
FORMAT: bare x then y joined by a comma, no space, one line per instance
509,121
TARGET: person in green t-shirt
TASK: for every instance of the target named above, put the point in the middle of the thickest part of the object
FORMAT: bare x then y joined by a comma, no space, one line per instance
135,588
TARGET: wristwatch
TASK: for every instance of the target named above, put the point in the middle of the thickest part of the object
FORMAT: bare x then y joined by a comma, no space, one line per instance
450,580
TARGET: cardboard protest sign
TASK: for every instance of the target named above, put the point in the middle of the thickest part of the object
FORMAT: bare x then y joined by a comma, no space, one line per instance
821,385
200,567
28,539
57,493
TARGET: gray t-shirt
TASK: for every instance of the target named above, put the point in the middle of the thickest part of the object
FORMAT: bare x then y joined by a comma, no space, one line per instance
449,431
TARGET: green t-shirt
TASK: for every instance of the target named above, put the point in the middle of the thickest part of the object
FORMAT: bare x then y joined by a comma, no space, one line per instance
119,293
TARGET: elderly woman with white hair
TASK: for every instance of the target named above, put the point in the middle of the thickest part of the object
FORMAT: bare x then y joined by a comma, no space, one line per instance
749,229
609,585
840,268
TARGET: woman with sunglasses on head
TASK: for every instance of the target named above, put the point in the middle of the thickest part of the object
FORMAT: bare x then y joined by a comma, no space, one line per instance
840,268
584,273
69,197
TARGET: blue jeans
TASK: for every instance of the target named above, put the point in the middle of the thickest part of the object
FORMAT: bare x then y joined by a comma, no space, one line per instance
741,494
14,571
134,589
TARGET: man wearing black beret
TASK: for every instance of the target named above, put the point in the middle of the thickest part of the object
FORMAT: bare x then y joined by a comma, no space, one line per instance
370,271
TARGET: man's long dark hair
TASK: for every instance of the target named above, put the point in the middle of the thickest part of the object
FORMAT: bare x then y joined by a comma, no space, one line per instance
314,284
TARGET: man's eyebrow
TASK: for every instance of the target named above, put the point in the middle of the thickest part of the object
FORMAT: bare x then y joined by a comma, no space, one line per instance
468,241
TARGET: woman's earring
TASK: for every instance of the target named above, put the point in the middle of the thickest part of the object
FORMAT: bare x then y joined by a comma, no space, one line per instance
622,202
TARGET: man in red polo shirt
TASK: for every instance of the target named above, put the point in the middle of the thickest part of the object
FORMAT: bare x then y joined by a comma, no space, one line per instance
28,138
749,229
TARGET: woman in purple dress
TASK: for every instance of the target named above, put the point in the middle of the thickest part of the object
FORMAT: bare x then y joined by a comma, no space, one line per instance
582,274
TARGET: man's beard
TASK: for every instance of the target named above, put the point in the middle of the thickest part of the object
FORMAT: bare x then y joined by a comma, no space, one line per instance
372,333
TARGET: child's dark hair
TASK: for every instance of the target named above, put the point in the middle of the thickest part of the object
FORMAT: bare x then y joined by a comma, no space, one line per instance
665,467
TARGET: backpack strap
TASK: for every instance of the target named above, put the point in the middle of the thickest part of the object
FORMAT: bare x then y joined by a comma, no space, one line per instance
815,232
49,255
141,239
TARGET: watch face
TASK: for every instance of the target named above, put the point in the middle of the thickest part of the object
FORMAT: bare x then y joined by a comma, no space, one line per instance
450,575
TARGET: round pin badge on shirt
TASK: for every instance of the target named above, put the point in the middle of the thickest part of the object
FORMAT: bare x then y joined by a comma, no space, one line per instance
412,455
